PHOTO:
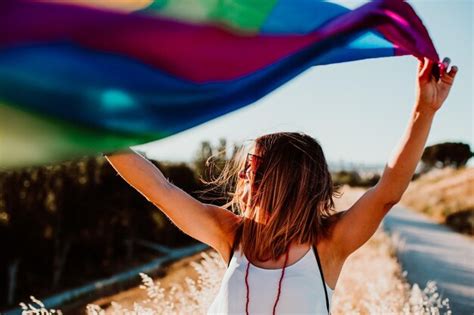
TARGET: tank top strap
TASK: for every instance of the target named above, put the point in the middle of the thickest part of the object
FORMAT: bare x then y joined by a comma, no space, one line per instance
238,233
315,249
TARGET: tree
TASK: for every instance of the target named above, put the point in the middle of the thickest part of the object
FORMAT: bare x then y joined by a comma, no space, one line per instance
454,154
209,161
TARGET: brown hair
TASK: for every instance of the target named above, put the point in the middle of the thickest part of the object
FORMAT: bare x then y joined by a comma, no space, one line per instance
292,194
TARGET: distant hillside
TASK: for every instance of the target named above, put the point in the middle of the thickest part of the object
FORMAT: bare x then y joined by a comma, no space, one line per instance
445,194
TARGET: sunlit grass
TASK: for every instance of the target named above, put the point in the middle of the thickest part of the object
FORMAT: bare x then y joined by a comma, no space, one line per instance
371,282
446,195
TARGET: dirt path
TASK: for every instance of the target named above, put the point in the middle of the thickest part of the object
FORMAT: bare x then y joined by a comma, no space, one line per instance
431,251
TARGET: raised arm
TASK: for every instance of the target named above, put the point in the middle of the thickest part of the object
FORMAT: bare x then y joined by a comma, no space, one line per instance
204,222
357,224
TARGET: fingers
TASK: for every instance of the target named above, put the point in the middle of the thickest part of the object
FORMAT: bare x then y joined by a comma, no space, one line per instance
444,66
436,71
421,62
426,68
445,76
448,78
446,62
439,69
453,71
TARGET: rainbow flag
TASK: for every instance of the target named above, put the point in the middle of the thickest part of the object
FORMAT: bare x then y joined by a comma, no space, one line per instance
81,78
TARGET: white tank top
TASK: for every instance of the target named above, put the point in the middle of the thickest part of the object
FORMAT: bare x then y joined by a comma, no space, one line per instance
302,290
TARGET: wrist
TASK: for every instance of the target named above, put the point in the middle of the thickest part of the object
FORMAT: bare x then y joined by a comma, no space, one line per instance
423,109
117,151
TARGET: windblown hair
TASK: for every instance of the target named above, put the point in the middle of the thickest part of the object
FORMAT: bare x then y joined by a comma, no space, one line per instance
291,196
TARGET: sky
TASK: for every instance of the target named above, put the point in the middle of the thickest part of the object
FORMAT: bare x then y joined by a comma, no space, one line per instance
357,111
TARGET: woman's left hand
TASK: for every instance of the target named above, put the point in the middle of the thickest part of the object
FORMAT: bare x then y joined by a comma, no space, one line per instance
431,93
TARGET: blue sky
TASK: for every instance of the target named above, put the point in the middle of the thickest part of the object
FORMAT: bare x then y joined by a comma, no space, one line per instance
358,111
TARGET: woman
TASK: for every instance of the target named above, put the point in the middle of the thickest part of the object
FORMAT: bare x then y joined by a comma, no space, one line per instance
285,247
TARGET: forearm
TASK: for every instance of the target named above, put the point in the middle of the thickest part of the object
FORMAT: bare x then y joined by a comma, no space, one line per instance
402,164
140,173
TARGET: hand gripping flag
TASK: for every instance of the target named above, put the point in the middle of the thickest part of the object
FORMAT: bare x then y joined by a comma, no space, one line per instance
78,79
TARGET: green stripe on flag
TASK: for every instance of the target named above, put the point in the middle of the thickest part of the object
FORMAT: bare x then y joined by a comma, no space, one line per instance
245,15
28,139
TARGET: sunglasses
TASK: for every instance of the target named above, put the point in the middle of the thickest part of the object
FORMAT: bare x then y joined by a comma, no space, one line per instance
252,161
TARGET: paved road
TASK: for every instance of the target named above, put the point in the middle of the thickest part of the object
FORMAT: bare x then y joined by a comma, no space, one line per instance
430,251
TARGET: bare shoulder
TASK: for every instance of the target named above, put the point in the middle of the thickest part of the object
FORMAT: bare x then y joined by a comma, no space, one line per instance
228,222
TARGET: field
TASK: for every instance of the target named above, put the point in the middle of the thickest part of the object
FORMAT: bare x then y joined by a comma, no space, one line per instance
371,282
447,195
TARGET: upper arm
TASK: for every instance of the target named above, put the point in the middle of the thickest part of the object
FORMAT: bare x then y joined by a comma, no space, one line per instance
358,223
207,223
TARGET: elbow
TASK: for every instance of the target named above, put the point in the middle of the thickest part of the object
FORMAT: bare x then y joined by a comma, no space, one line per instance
388,194
391,203
393,199
387,200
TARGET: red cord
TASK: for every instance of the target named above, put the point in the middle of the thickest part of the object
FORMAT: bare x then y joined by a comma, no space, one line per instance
279,285
247,285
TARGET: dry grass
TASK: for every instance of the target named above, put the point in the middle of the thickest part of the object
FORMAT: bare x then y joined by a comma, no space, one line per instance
371,282
443,193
